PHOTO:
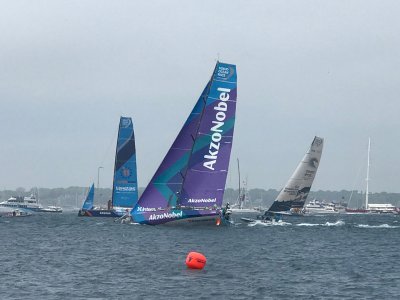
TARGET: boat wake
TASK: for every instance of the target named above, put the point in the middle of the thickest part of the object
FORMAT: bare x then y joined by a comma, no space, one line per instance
337,223
308,224
132,223
328,224
376,226
269,223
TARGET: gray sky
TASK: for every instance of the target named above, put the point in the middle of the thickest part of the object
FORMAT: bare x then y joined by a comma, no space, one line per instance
69,69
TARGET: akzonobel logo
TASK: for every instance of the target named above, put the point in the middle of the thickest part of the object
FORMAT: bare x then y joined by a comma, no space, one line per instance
216,136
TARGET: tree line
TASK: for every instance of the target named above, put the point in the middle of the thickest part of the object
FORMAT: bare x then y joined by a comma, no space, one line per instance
73,197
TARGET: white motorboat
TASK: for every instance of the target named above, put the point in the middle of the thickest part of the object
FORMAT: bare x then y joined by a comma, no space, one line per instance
25,203
11,212
28,204
317,207
52,209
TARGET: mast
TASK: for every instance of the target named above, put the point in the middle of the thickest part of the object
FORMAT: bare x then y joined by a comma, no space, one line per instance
239,197
196,134
367,179
245,195
115,165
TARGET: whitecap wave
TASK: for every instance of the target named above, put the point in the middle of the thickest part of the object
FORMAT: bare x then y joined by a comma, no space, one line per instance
308,224
337,223
376,226
269,223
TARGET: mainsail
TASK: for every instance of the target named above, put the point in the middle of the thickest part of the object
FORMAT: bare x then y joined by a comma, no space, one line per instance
88,204
125,186
296,190
193,173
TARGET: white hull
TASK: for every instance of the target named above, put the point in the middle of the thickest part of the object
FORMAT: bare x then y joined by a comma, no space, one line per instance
242,210
320,211
9,212
52,209
22,203
205,220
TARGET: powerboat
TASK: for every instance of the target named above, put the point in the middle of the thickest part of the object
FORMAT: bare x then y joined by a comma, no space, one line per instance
28,204
25,203
52,209
6,212
317,207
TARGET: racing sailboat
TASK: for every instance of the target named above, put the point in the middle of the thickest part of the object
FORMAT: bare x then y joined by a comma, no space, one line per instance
189,185
125,185
292,197
88,204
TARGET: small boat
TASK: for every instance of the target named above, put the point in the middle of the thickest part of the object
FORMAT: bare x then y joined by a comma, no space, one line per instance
125,185
292,197
317,207
52,209
11,213
189,185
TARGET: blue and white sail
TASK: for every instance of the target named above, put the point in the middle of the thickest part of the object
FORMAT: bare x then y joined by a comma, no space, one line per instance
88,204
125,185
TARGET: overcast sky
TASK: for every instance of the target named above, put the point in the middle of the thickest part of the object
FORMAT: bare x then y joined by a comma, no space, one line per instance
69,69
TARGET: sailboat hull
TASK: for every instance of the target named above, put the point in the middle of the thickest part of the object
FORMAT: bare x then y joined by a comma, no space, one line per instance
178,217
243,210
99,213
357,211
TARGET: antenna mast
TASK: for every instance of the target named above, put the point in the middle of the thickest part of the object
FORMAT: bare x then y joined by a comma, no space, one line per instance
239,198
367,179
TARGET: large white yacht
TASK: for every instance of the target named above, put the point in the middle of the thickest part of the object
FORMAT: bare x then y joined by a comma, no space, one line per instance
30,203
26,203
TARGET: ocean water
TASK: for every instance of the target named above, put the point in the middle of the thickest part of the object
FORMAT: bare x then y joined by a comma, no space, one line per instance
322,257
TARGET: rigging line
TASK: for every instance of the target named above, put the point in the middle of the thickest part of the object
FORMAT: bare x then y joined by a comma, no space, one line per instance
109,146
205,96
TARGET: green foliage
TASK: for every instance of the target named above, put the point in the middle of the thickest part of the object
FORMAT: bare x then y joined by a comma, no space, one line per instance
74,196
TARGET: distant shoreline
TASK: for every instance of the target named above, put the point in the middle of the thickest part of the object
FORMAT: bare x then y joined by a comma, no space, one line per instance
73,196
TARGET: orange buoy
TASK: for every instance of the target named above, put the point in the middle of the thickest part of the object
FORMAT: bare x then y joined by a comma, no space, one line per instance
195,260
218,222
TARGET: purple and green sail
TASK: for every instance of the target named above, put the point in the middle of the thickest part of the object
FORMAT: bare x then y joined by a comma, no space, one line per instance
193,173
125,185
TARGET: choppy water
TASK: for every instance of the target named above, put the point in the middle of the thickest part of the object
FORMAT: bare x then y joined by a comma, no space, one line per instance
332,257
